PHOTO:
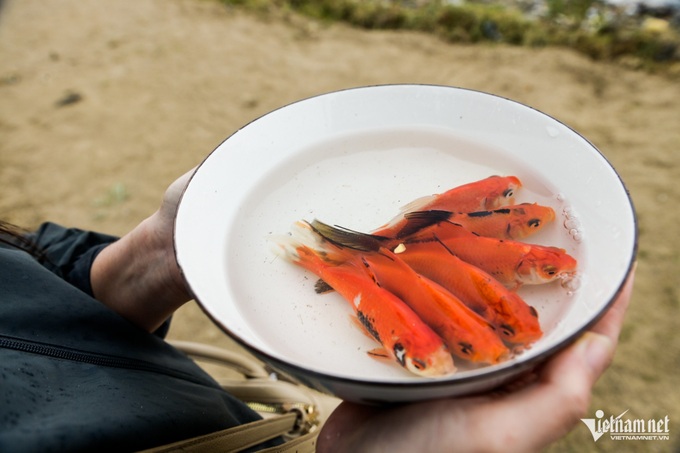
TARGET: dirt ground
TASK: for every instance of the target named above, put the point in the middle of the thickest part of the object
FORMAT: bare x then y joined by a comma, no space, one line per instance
102,104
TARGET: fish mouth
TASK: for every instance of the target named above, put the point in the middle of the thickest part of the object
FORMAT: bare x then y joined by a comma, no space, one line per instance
441,366
493,359
571,281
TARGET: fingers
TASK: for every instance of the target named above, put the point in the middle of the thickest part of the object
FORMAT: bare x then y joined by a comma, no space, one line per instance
522,421
343,429
561,395
433,426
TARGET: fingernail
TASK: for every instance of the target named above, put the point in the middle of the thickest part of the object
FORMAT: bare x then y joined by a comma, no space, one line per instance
597,351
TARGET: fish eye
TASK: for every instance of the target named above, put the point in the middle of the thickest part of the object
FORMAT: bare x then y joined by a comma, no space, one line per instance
419,364
550,270
534,223
508,193
465,348
507,330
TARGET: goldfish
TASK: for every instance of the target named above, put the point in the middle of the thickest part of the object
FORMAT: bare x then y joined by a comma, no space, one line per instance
466,334
508,222
402,335
512,263
516,320
482,195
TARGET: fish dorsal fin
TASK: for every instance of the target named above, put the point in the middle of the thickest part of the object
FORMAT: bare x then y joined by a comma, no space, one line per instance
418,204
416,221
345,237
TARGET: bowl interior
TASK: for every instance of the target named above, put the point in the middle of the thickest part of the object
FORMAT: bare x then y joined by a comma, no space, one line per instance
353,158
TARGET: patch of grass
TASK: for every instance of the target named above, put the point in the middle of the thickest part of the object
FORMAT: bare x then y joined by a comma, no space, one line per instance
580,24
116,195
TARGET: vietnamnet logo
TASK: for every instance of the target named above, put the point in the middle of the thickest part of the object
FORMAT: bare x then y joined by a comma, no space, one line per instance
619,428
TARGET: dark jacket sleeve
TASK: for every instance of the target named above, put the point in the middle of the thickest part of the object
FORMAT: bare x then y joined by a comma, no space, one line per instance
69,252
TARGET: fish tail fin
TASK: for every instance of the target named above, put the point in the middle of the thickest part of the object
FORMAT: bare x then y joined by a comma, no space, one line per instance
293,249
330,245
417,220
304,246
346,238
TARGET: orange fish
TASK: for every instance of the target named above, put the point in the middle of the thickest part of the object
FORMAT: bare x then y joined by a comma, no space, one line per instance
516,320
404,337
507,222
482,195
467,334
511,262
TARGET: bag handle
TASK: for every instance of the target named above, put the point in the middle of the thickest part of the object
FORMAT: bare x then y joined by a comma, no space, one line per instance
248,367
289,410
244,436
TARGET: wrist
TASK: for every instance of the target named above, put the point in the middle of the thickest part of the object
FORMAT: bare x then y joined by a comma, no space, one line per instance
138,277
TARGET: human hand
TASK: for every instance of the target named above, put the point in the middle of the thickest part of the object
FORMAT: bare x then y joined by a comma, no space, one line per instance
524,419
138,276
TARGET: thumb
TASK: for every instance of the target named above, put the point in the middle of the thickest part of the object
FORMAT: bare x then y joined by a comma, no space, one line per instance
562,394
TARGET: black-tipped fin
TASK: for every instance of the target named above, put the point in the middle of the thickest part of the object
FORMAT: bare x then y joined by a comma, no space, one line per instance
344,237
416,221
321,287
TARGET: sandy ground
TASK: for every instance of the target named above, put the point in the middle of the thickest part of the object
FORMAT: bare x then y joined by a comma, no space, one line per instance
102,104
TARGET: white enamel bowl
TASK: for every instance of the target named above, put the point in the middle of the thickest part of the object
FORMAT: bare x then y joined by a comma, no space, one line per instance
353,158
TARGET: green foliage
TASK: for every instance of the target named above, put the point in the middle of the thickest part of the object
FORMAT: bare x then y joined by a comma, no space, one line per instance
578,24
572,9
